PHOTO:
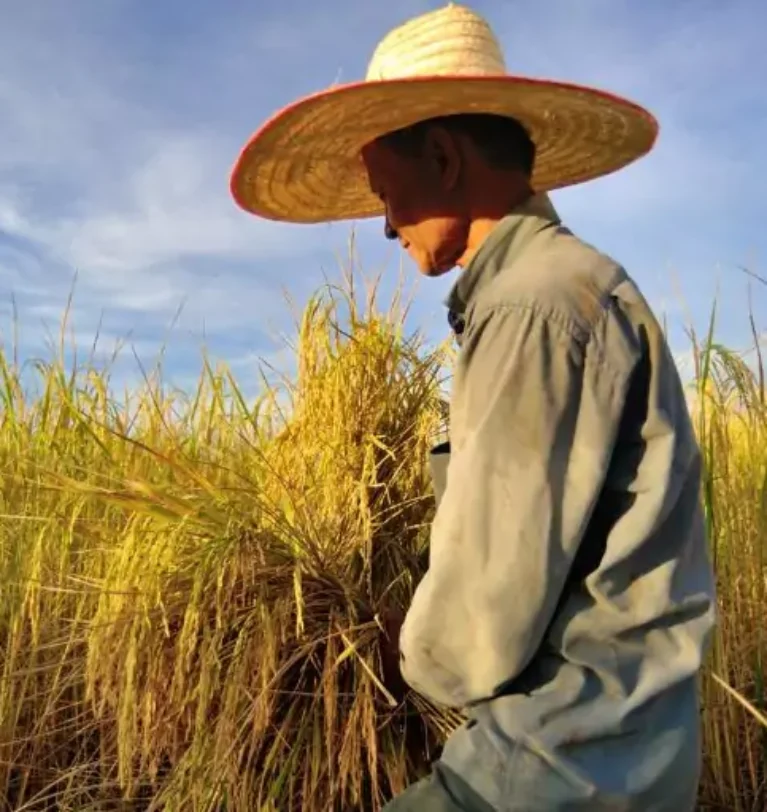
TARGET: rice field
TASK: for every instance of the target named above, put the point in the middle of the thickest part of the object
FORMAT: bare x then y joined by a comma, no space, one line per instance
192,585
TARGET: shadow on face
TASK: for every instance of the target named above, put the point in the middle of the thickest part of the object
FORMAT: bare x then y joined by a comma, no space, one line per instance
423,204
437,180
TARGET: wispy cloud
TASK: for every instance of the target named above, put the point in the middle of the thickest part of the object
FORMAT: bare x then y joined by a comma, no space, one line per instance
122,120
100,178
138,235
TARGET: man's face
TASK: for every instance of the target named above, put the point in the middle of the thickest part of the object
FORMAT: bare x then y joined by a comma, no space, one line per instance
422,204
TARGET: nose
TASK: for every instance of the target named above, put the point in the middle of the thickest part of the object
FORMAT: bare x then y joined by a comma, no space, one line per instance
389,232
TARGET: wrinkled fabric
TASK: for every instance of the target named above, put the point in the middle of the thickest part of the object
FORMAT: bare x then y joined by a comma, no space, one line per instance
569,598
441,791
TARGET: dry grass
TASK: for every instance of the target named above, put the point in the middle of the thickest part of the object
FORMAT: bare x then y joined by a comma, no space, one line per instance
191,584
731,418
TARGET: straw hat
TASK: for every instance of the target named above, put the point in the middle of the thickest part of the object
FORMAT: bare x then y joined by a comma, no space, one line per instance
304,164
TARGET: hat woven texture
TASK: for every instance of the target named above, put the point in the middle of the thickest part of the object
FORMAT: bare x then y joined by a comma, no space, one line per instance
304,164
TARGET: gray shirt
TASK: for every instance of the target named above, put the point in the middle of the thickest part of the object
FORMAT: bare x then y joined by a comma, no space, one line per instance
569,597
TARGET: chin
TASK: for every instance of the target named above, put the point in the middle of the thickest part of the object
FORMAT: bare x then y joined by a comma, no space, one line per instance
425,265
431,271
426,268
429,266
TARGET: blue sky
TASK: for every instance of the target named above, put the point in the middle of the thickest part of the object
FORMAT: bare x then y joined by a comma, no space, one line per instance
120,121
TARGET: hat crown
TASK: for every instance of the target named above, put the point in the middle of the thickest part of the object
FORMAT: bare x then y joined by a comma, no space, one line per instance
452,41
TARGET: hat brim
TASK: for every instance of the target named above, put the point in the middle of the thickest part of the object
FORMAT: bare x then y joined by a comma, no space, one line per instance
304,164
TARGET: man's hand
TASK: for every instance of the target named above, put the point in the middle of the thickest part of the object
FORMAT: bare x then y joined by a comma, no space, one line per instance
391,621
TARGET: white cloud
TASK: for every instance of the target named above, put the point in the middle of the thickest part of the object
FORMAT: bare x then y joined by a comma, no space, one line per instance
117,151
97,181
131,235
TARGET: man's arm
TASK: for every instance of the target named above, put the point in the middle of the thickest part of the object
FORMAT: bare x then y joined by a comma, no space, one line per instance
541,412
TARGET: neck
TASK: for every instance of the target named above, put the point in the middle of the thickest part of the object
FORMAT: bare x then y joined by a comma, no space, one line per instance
478,231
482,224
491,195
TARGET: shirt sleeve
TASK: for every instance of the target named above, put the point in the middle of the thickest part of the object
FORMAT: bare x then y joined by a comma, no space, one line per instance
539,413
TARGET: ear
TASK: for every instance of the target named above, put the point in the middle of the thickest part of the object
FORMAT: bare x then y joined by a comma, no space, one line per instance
441,149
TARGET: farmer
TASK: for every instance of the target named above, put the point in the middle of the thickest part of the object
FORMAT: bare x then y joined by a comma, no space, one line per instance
569,596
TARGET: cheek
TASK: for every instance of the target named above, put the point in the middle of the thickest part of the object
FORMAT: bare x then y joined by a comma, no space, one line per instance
411,205
440,232
402,214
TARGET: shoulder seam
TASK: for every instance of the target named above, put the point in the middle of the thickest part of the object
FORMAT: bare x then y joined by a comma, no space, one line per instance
567,328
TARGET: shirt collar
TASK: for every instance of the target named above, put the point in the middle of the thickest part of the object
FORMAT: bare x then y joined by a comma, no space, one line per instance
514,230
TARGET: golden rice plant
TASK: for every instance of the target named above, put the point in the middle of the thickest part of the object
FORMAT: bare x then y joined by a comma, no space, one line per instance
192,585
731,419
